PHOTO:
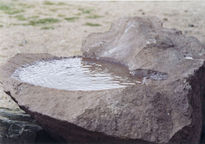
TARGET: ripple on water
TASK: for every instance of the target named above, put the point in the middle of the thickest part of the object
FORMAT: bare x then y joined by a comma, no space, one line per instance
75,74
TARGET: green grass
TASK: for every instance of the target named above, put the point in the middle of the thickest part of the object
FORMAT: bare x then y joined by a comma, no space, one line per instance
78,14
53,10
47,28
23,18
14,11
61,15
61,3
4,7
85,11
20,17
43,21
15,24
71,19
24,5
92,24
33,17
1,25
48,3
93,16
8,9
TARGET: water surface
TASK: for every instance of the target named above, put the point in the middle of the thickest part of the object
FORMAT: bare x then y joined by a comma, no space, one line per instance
75,74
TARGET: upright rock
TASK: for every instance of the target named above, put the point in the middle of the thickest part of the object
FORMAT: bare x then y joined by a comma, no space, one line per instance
156,53
142,43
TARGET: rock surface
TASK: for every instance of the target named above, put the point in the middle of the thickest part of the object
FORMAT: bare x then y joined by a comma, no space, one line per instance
17,127
142,43
165,108
157,53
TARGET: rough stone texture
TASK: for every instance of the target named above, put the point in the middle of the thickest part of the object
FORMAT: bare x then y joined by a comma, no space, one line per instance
165,108
143,45
17,128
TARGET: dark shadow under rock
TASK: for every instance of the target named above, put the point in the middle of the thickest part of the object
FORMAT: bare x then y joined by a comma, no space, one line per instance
17,127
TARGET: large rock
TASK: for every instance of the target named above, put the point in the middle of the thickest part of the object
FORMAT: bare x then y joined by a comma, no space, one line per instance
143,43
152,51
164,108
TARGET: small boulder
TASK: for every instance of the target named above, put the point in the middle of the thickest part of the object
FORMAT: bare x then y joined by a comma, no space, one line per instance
17,127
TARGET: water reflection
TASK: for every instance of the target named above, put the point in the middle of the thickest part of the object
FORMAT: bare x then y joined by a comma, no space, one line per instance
75,74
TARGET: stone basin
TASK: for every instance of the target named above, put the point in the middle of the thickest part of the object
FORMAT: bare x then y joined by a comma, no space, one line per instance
59,89
75,74
137,83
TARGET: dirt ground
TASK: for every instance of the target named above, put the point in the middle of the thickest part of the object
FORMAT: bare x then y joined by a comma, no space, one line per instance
59,27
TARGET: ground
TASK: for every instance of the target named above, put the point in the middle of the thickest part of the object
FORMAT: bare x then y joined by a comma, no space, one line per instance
59,27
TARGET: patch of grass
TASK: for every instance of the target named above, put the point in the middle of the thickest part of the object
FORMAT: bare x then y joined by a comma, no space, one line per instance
43,13
61,15
24,5
43,21
10,10
78,14
61,3
14,11
33,17
94,16
48,3
1,25
71,19
20,44
85,11
47,28
4,7
92,24
53,10
15,24
20,17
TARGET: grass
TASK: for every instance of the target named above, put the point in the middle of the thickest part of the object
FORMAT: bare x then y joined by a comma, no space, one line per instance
61,15
53,10
47,28
20,44
93,16
71,19
24,5
48,3
92,24
8,9
20,17
15,24
85,11
43,21
43,13
78,14
4,7
61,3
14,11
33,17
1,25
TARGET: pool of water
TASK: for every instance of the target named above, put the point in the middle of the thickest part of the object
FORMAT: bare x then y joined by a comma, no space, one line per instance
75,74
